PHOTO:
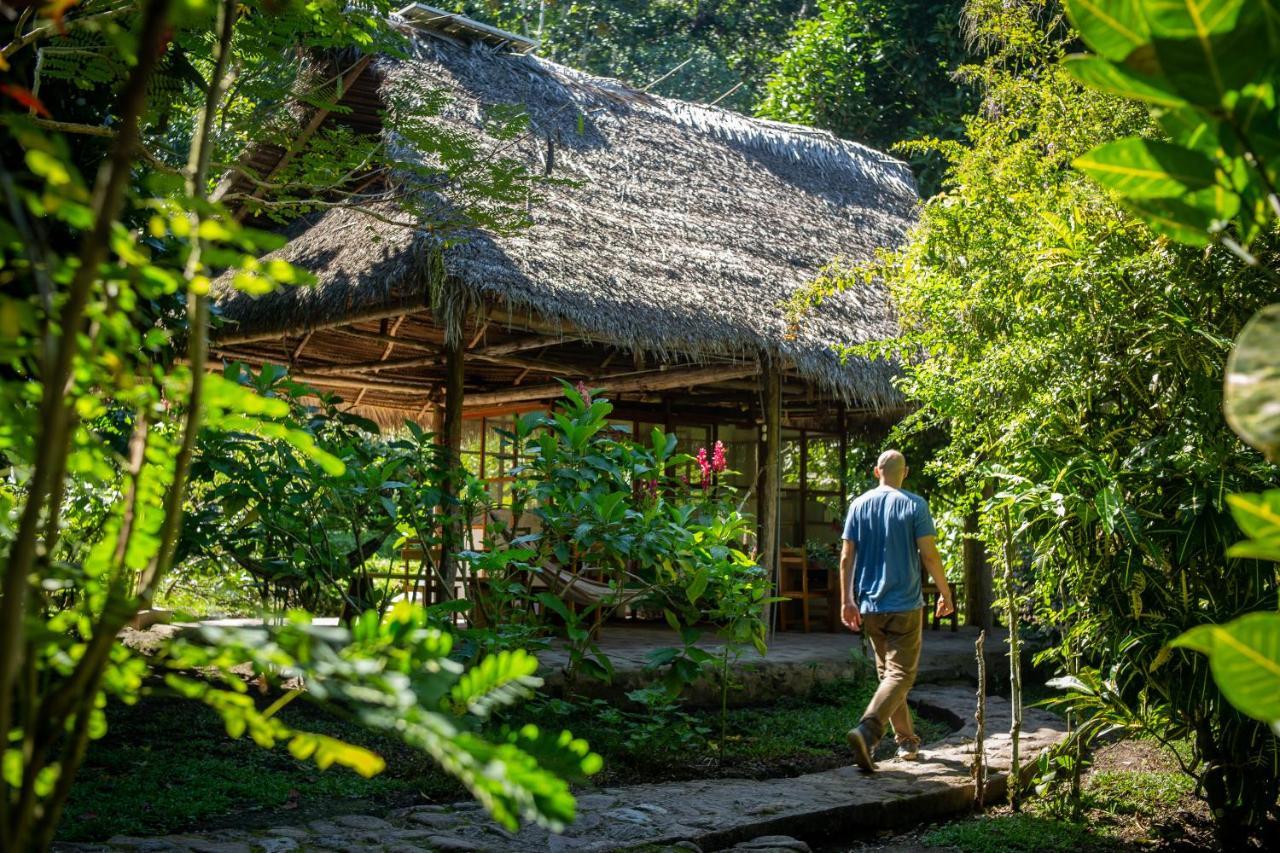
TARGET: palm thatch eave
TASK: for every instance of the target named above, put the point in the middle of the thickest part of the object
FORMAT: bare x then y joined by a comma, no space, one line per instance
681,231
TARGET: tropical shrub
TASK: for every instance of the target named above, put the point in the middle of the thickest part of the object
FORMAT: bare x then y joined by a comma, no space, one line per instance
107,249
878,72
1074,361
620,510
1214,179
304,531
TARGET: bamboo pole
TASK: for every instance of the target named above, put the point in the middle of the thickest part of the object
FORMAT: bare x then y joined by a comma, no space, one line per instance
979,769
377,312
1015,667
439,358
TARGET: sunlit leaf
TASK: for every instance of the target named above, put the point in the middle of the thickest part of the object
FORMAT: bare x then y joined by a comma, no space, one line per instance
1244,656
1252,394
1098,73
1112,28
1141,168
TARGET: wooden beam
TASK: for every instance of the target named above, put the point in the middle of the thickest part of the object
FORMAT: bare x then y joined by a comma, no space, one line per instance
300,347
378,312
491,353
386,352
400,343
656,380
535,365
771,486
407,386
317,119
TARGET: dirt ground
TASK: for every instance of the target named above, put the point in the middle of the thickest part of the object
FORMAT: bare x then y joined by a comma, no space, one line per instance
1177,823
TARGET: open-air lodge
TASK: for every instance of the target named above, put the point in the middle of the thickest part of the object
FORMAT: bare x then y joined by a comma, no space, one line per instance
656,268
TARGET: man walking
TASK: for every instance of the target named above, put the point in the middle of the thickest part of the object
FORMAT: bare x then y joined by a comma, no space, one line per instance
887,534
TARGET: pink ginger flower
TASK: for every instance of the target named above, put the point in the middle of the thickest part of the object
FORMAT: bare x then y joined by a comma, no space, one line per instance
717,458
705,466
583,391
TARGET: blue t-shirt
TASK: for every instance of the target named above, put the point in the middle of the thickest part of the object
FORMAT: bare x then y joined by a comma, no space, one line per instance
883,525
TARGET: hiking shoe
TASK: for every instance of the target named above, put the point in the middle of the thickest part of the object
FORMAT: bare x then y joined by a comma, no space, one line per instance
909,750
863,746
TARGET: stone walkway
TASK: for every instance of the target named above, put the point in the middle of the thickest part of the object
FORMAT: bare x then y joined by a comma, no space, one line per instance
761,816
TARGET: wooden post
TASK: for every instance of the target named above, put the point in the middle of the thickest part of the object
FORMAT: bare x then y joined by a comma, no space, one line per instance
843,428
979,584
451,537
979,769
1015,667
977,577
770,486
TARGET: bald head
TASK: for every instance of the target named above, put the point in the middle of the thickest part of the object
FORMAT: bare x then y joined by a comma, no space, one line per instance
891,468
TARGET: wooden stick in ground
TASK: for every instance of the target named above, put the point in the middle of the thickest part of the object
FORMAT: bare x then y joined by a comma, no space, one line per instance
1015,667
980,737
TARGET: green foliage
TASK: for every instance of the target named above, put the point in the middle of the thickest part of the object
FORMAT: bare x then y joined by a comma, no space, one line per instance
1245,656
1197,65
616,512
306,532
1074,361
878,72
1253,384
107,250
696,50
394,675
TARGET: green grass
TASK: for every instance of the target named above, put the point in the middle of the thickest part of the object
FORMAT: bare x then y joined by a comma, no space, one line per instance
1141,793
168,766
1017,833
1120,809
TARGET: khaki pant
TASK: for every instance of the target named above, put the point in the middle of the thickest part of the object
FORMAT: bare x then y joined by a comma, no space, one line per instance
896,640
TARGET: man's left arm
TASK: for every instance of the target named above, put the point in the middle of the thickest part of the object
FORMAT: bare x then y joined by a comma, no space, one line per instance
926,544
849,613
932,560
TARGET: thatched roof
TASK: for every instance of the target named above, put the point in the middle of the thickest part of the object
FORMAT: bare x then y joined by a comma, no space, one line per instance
681,229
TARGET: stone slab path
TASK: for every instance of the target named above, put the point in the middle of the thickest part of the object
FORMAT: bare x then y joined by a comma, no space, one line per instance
710,815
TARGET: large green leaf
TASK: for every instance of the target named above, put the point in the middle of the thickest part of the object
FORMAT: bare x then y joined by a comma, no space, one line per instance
1259,519
1097,73
1113,28
1141,168
1193,219
1244,656
1205,49
1174,219
1252,397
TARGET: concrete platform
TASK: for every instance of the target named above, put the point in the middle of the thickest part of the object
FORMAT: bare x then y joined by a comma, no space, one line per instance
794,664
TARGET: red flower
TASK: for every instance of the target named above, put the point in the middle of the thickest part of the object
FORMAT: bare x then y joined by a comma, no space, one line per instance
705,466
717,458
583,391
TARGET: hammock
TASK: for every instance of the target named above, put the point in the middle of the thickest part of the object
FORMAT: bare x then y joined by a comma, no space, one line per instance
574,587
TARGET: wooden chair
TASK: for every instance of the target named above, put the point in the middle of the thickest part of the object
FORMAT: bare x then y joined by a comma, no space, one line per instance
803,584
